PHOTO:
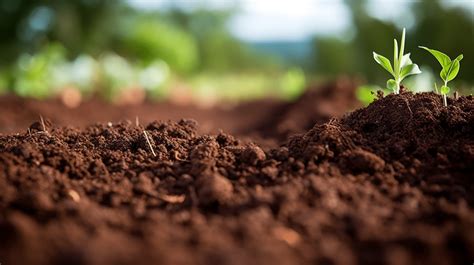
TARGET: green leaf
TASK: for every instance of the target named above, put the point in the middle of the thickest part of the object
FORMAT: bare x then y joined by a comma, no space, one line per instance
445,90
395,55
459,58
442,58
411,69
454,70
449,73
444,74
406,60
384,62
392,85
402,46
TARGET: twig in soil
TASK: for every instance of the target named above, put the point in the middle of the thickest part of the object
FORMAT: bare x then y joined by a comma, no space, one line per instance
29,132
42,124
149,143
409,109
137,122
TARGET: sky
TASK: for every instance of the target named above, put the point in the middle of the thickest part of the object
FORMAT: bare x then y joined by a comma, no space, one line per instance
294,20
265,20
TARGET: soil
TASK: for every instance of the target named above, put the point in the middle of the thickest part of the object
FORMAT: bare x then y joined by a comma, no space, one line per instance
262,119
391,183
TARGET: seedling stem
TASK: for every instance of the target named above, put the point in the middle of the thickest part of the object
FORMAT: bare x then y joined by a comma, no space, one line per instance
445,96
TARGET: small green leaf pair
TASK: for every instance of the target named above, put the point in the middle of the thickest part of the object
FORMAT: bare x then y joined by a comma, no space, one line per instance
450,69
402,65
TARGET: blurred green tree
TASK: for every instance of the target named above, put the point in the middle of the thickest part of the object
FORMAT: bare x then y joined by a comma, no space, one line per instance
147,39
450,30
334,56
80,25
219,50
353,54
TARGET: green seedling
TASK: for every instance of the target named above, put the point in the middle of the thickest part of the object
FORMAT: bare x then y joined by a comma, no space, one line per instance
402,65
450,69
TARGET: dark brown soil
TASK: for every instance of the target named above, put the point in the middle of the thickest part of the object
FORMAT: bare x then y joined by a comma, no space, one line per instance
391,183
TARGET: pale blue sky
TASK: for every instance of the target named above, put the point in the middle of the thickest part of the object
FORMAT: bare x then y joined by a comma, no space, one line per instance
294,20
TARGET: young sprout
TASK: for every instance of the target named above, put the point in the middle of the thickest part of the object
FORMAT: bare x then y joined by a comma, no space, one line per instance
449,72
402,65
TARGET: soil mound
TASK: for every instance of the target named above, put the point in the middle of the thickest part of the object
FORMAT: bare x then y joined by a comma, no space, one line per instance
316,106
423,142
387,184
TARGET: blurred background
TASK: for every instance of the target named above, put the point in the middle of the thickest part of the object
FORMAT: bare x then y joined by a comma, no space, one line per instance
220,50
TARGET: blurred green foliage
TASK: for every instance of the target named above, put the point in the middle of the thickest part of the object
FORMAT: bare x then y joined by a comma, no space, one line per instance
449,30
106,46
219,50
251,85
292,83
367,93
112,46
82,26
148,39
334,56
36,75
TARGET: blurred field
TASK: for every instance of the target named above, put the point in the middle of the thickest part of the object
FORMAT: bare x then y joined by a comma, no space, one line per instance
196,51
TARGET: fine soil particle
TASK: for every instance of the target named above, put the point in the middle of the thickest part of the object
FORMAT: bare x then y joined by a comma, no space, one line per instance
391,183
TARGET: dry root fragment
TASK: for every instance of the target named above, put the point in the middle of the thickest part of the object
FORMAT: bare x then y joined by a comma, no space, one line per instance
286,234
74,195
149,143
171,198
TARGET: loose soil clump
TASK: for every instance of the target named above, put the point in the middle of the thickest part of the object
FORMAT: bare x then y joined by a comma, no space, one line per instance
388,184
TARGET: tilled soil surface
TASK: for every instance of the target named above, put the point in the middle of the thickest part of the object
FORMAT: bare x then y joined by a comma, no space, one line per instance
392,183
266,119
